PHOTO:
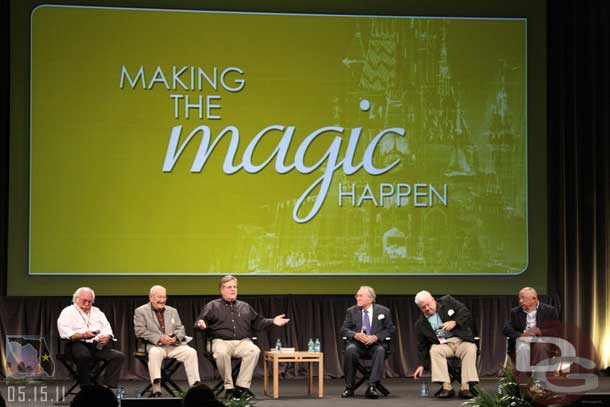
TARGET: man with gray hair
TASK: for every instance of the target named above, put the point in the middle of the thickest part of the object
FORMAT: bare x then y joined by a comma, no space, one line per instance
160,326
366,326
445,330
89,337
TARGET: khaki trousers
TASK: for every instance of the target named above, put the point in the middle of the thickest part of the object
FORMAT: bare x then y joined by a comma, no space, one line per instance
465,351
183,353
243,349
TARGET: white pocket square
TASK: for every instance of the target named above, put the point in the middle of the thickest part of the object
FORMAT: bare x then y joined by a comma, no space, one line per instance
450,312
380,316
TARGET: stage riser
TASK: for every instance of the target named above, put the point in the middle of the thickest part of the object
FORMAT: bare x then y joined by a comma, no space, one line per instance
594,399
149,402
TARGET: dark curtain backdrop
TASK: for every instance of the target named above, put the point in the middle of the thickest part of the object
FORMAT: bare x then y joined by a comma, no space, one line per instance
579,167
4,138
311,316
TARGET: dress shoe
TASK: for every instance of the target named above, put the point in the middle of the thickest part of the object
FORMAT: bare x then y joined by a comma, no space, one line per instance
247,393
156,394
347,393
229,394
466,394
242,393
446,394
156,387
237,393
371,393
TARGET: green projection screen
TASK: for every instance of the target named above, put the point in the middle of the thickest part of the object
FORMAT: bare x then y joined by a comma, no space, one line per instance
306,152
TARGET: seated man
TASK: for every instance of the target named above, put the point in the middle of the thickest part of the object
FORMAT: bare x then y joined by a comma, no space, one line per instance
443,331
89,335
160,326
366,326
230,323
530,318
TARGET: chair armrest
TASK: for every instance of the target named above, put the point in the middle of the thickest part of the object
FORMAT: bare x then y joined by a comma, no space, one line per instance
140,347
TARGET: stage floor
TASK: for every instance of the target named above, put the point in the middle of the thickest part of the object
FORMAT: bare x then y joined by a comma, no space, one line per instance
404,392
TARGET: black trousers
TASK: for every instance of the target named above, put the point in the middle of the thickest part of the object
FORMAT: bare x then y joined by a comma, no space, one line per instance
84,355
357,350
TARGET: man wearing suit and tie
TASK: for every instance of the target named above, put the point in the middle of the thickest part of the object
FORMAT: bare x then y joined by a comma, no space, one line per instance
366,326
530,318
444,330
160,326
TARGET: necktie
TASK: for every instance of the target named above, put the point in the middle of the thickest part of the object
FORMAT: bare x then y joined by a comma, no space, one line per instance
367,322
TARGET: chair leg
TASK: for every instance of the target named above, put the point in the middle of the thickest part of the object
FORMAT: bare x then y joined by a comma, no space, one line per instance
167,371
95,372
382,389
172,383
147,389
235,371
219,388
359,382
365,376
69,392
167,377
167,388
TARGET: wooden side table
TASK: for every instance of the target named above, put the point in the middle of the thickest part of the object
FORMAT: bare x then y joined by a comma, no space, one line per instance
294,357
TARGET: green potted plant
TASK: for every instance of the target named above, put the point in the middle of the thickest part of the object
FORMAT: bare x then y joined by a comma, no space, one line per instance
244,401
512,394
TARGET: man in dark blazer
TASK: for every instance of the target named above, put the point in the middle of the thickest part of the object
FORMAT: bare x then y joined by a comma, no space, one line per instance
530,318
443,331
366,327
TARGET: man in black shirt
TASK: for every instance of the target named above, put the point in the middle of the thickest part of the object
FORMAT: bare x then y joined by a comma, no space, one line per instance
230,323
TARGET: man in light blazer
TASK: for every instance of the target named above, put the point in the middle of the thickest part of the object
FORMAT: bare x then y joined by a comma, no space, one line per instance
366,327
444,329
160,326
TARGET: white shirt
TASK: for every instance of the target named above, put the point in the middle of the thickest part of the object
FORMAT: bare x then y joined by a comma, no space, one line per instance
72,320
530,320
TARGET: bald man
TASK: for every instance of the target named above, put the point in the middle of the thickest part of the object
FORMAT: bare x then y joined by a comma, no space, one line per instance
530,318
160,326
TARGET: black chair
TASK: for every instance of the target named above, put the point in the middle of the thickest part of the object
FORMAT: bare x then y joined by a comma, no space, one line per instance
364,367
168,368
454,366
96,368
209,355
